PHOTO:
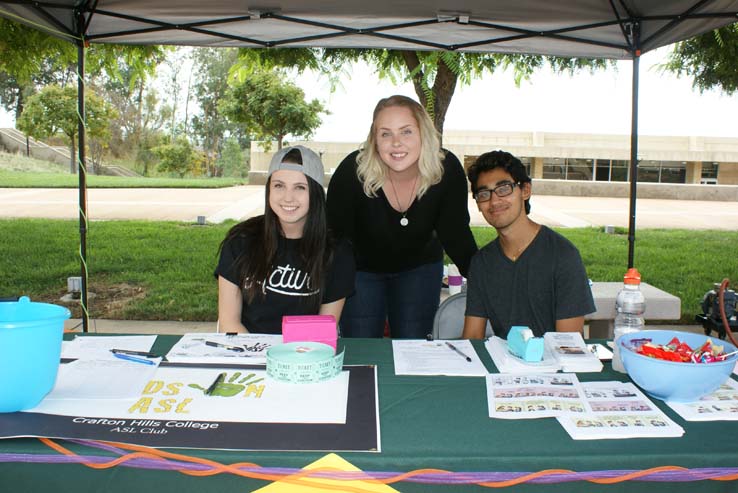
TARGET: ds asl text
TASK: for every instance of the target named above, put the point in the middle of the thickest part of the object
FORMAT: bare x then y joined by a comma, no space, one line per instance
164,402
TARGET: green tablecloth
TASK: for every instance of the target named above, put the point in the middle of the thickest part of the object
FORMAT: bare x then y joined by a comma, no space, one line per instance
426,422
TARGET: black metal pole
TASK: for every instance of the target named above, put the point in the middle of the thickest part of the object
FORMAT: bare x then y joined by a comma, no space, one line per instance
634,148
82,169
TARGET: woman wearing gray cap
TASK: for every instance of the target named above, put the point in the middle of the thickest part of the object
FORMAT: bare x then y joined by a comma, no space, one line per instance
284,262
402,201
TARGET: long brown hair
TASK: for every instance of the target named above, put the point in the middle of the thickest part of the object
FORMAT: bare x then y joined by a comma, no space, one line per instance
263,233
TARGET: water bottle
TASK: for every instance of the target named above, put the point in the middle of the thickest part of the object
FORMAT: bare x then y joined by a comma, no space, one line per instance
629,307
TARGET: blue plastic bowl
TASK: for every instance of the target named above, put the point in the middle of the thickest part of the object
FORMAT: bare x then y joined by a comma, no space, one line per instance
30,346
669,380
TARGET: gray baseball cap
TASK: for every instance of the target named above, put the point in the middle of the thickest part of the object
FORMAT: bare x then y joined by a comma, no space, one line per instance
311,165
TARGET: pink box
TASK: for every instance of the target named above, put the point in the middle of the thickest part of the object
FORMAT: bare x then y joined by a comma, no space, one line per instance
312,328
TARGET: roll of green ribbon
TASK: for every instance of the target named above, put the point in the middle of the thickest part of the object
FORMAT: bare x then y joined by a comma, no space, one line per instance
303,362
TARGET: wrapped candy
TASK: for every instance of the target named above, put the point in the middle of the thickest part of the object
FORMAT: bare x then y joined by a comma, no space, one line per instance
678,351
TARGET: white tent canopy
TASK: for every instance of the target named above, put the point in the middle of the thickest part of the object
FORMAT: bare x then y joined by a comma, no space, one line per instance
588,28
616,29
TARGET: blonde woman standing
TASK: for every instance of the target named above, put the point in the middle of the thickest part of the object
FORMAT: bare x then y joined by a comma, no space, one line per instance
401,200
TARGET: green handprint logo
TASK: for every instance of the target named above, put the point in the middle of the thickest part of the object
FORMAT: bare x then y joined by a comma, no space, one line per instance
234,385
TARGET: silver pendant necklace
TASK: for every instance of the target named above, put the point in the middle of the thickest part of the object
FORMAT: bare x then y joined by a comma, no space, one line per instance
404,220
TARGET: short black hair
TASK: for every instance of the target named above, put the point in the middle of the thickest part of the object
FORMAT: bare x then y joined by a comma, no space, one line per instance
499,159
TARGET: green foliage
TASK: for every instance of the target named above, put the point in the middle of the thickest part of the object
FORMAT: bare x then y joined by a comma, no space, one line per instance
212,67
53,111
25,51
710,59
271,107
232,160
31,59
178,157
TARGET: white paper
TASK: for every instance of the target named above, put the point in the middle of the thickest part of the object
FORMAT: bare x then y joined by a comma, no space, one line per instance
101,379
602,353
571,352
245,396
618,410
191,348
421,357
526,396
721,405
506,362
82,347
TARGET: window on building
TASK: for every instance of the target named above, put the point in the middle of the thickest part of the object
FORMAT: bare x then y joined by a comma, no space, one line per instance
620,170
672,172
527,163
554,168
662,172
579,169
710,171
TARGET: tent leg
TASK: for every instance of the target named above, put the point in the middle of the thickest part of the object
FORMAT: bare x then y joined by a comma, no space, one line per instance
633,160
82,170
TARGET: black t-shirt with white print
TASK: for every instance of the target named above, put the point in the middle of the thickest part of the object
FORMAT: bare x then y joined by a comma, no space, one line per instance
287,286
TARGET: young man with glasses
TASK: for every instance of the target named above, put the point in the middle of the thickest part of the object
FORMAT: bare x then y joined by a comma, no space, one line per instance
529,275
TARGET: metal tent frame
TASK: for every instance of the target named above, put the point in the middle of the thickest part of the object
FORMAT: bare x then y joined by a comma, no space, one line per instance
616,29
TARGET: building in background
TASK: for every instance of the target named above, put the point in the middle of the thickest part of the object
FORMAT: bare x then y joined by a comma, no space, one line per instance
571,157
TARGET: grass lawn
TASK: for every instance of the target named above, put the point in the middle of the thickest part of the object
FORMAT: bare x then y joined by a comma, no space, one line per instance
16,179
22,172
143,270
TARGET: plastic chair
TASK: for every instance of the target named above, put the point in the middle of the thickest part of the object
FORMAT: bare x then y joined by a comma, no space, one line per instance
449,320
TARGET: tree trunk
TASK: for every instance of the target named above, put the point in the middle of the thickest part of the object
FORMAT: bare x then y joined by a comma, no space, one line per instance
19,104
138,125
443,87
443,90
72,157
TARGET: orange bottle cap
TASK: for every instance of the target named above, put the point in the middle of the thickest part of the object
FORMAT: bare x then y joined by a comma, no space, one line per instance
632,276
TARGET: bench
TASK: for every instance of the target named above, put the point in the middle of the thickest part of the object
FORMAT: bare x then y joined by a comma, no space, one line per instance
660,305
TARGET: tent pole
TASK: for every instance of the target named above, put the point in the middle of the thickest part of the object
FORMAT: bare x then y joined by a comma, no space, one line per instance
82,169
633,153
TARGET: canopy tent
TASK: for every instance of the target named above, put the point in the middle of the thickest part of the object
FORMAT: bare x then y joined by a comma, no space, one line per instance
588,28
617,29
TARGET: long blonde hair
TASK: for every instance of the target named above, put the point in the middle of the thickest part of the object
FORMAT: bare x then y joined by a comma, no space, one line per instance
371,169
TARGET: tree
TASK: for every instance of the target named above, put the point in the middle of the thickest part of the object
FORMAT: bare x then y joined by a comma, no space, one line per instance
53,111
126,87
31,59
231,161
178,157
711,59
271,107
434,74
212,68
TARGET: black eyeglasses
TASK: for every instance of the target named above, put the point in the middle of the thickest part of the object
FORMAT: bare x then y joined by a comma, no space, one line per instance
502,190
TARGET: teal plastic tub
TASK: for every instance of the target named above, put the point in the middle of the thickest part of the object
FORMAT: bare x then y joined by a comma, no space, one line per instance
30,346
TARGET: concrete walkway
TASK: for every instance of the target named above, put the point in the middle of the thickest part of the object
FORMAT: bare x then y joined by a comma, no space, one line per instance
218,205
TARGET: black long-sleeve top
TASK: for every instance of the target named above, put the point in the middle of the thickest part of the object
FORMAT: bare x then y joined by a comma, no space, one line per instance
437,221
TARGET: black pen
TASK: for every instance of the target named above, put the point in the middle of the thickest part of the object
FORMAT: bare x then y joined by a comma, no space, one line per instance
459,352
218,379
134,353
238,349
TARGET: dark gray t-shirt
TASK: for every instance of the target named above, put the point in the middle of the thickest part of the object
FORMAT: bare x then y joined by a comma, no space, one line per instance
547,283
